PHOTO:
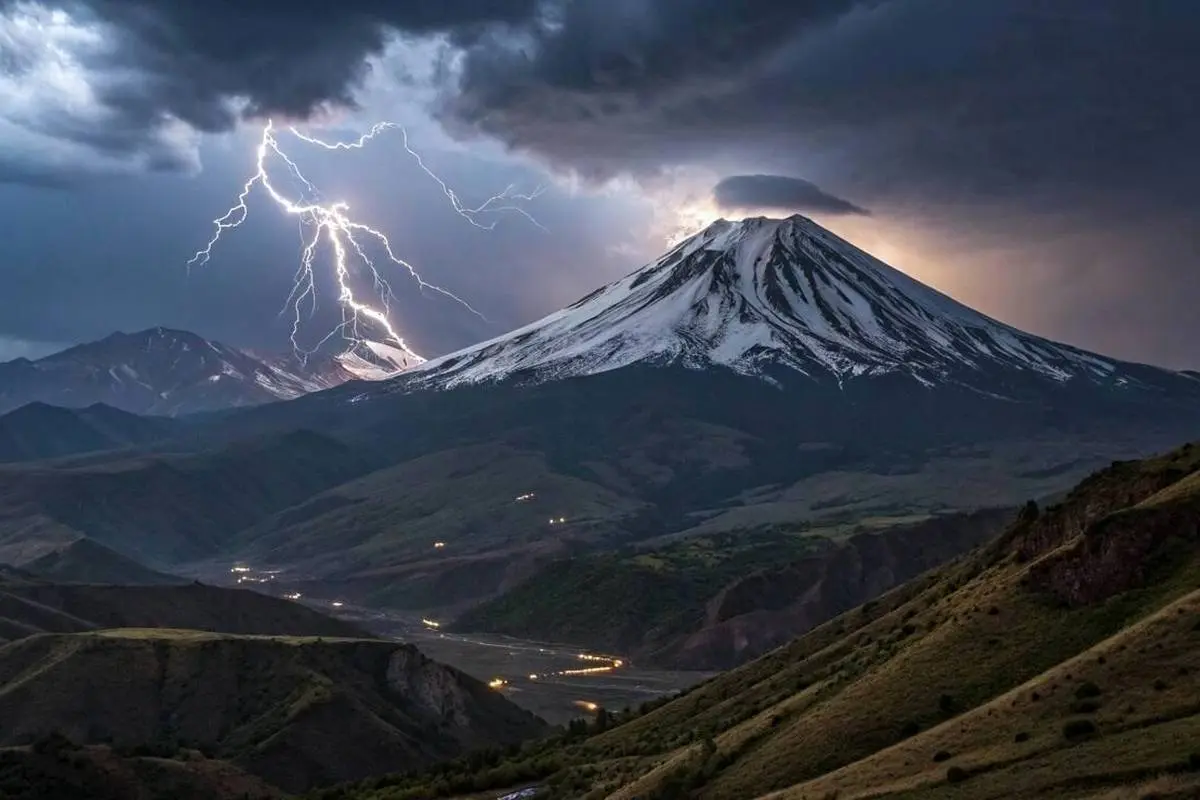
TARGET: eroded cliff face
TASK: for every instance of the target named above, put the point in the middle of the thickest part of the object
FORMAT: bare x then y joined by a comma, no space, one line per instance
768,608
1122,485
1113,531
1117,553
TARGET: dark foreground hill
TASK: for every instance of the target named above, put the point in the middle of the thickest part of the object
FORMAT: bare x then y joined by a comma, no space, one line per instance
1062,660
57,769
298,712
29,606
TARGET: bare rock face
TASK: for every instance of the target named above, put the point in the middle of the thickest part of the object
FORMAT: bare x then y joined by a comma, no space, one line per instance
1112,531
1116,553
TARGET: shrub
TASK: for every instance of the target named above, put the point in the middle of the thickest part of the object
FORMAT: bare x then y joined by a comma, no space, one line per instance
53,744
909,729
1087,690
993,611
1023,736
940,756
1160,685
956,775
1079,729
946,704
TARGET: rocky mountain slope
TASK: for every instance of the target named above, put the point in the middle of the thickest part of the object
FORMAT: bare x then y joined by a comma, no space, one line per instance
297,712
1059,660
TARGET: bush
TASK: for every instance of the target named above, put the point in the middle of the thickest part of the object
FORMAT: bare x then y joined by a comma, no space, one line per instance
910,729
1160,685
956,775
53,744
1087,690
1079,729
946,704
1023,736
940,756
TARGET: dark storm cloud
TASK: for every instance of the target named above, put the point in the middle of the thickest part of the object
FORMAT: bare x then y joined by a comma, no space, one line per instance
188,59
972,95
780,193
1032,126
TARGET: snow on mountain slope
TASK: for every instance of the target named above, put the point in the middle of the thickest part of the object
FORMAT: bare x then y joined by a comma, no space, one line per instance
168,372
762,294
376,361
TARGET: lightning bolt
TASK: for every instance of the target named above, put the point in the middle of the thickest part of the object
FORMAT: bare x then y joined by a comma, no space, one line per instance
467,213
330,223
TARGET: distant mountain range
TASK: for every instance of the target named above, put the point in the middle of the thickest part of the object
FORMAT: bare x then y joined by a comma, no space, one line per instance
762,374
170,372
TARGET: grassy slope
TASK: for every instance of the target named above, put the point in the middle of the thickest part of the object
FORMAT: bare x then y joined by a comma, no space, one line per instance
1101,589
31,607
296,711
86,561
464,496
632,599
161,508
719,600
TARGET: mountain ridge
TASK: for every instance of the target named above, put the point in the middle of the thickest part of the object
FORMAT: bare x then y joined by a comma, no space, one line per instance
167,372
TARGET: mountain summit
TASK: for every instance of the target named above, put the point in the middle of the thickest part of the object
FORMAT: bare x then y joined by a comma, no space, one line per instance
762,295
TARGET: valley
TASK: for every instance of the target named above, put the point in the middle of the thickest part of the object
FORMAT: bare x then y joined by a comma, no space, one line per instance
646,547
558,682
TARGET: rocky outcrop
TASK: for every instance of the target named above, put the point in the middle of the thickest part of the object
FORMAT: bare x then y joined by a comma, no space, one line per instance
1121,485
1118,553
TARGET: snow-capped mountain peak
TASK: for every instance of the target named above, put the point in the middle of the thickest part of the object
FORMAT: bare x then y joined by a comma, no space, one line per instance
167,372
758,295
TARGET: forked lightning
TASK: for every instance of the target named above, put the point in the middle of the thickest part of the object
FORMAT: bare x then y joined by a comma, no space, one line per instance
345,236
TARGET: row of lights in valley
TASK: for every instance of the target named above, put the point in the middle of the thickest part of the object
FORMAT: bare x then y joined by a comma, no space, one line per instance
609,664
248,575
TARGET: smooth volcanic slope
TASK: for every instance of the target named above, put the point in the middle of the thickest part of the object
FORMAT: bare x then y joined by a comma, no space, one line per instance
762,294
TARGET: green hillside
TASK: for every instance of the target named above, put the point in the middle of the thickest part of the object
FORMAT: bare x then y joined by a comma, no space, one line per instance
1060,660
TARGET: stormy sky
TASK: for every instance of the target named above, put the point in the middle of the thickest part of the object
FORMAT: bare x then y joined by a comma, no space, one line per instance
1034,159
